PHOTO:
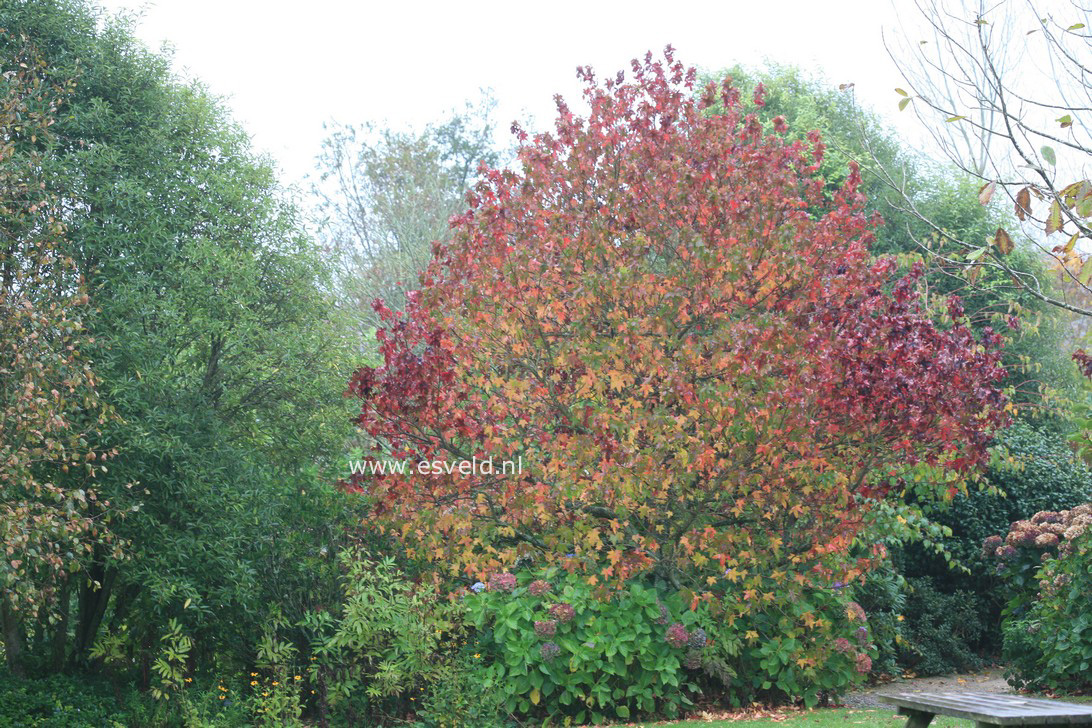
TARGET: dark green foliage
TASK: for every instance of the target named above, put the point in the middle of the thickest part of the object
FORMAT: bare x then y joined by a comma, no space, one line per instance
65,702
883,597
942,629
1033,470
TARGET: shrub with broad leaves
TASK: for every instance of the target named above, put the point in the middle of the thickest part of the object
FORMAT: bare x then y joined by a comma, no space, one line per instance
1047,562
580,653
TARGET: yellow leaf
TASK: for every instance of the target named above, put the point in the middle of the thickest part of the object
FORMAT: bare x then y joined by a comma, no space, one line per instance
535,696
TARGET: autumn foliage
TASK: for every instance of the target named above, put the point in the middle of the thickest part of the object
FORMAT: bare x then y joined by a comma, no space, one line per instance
705,372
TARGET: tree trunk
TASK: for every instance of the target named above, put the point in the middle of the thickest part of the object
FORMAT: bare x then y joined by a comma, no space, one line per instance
14,639
94,597
60,630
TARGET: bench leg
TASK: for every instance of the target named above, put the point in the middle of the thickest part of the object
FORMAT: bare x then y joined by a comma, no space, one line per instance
916,718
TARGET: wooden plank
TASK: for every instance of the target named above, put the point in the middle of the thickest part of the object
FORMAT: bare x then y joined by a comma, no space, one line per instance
989,709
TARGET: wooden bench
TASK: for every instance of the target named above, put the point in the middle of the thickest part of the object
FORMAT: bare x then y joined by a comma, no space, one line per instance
987,709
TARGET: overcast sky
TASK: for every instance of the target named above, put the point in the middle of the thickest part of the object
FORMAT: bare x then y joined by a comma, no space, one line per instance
288,67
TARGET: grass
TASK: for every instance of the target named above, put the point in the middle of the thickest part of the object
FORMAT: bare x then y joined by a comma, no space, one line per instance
819,718
825,718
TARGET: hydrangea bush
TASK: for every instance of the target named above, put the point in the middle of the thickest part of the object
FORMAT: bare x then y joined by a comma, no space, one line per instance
558,649
804,644
1047,561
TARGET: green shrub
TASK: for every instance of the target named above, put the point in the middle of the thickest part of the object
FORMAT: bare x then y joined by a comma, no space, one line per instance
1047,561
1033,470
555,649
459,697
390,643
883,597
803,644
941,629
60,701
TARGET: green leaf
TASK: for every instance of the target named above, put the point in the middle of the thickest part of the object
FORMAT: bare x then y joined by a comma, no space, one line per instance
903,103
1048,155
901,92
1065,121
950,119
976,254
1075,26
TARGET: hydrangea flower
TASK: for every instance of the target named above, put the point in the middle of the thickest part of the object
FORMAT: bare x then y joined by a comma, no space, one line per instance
677,636
477,587
539,587
698,638
1046,540
546,627
562,612
504,582
549,650
864,664
692,661
842,645
856,612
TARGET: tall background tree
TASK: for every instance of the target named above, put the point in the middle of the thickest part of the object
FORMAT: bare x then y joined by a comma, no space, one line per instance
213,337
385,196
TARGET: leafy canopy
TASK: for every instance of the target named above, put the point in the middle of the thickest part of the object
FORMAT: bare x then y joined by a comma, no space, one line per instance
689,347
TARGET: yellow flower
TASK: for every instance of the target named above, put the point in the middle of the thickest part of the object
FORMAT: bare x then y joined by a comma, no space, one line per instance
275,683
298,677
189,679
254,674
222,697
312,692
265,694
900,618
477,656
253,682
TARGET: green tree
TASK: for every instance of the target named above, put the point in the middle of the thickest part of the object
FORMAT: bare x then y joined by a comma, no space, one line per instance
385,196
49,406
217,342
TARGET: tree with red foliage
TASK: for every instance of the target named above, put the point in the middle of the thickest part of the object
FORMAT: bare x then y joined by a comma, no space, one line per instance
693,355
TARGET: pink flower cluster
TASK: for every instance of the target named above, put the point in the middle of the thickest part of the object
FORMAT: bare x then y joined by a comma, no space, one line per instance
864,663
562,612
1048,530
503,582
539,587
677,636
546,628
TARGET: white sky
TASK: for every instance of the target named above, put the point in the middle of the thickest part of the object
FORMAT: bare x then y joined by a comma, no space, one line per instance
288,67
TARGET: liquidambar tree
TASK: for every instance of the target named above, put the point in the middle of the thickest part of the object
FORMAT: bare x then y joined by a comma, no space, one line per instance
695,357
